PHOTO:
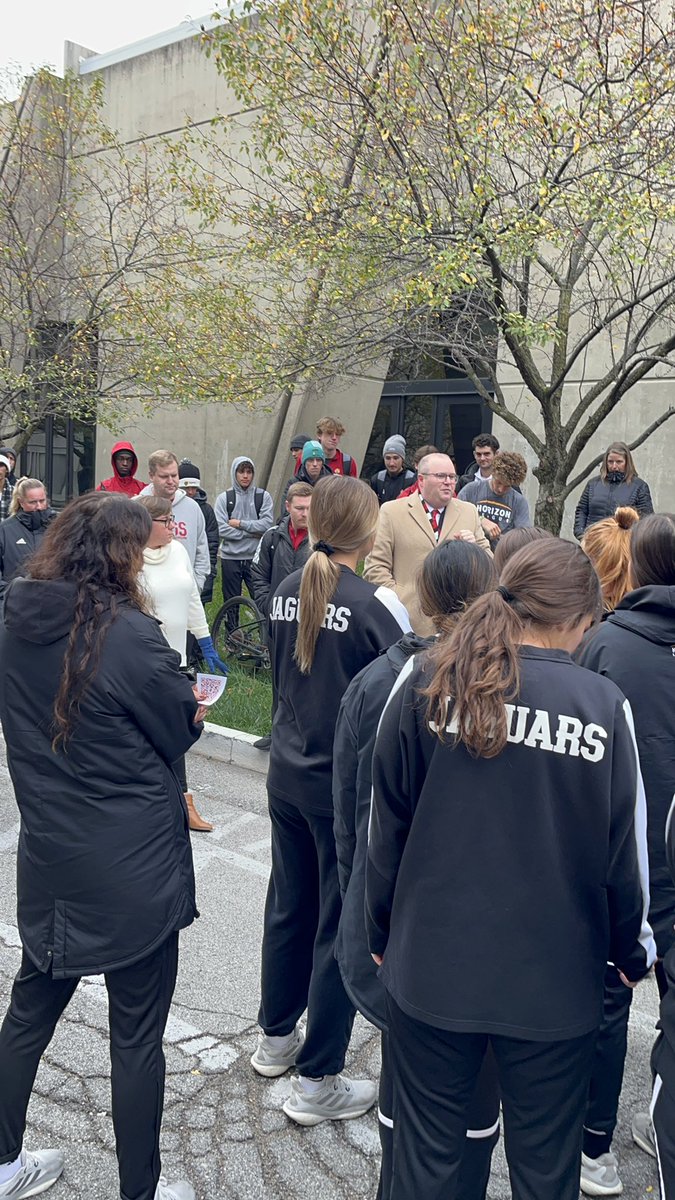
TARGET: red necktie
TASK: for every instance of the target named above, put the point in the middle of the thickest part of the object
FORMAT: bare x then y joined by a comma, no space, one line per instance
435,523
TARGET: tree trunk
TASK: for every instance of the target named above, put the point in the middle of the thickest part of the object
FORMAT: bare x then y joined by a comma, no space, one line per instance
550,507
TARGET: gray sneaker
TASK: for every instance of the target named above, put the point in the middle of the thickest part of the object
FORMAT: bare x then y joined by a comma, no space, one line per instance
340,1099
643,1133
271,1061
38,1171
180,1190
600,1176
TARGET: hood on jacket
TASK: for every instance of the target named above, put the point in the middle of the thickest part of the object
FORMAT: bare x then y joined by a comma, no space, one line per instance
36,519
411,643
40,610
123,446
242,458
301,476
648,611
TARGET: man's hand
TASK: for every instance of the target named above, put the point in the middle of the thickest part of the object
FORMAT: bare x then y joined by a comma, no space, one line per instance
234,522
490,528
463,535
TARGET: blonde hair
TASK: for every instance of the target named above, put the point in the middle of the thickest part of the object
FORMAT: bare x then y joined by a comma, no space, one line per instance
161,458
157,506
330,425
342,517
607,544
622,449
22,485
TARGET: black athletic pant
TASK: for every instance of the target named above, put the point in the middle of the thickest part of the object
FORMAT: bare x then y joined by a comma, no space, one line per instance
234,573
481,1138
139,999
543,1087
608,1063
663,1118
299,969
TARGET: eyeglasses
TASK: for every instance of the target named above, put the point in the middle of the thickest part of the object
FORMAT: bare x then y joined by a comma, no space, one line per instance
440,475
168,521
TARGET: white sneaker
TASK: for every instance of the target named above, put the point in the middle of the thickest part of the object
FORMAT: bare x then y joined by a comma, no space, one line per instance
600,1176
643,1133
340,1099
38,1171
180,1190
271,1061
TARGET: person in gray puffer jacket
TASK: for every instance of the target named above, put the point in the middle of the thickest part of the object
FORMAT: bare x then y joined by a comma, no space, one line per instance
244,513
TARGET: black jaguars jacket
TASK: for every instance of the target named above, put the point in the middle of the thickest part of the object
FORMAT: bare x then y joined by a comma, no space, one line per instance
497,889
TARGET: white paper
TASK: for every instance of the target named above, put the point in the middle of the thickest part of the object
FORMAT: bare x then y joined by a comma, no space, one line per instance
210,688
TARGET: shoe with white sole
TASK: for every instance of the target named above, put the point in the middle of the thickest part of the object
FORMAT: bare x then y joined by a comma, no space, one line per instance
600,1176
271,1059
643,1133
339,1099
38,1171
180,1190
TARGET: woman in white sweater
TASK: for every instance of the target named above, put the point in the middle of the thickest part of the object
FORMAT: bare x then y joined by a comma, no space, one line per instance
171,587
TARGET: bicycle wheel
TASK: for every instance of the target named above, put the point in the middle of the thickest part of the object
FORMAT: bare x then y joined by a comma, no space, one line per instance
239,634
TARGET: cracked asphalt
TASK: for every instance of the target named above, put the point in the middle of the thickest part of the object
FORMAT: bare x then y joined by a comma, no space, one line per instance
223,1125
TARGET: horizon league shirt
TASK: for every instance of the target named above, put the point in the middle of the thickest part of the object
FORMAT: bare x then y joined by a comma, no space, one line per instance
510,511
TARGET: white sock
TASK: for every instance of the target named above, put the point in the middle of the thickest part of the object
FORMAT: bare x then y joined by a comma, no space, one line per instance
278,1043
9,1170
311,1086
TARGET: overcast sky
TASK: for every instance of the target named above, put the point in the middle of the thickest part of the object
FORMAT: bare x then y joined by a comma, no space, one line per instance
34,36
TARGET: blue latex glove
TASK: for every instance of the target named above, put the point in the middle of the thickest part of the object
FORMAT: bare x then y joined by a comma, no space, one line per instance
215,664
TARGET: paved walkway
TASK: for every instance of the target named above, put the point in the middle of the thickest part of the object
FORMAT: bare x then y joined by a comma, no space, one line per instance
223,1128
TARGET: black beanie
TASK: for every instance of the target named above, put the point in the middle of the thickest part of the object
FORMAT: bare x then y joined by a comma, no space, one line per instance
188,474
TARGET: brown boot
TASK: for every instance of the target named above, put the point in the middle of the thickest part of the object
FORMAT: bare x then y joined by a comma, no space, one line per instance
197,823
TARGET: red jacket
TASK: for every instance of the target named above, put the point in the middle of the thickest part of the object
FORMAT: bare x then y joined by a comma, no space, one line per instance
409,491
127,485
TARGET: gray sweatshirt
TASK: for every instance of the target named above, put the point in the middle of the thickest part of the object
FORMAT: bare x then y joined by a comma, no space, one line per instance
190,531
242,543
510,511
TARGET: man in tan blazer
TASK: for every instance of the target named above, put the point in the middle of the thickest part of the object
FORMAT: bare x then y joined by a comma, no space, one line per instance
409,529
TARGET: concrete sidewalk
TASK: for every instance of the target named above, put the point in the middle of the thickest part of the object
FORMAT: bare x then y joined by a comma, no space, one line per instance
223,1127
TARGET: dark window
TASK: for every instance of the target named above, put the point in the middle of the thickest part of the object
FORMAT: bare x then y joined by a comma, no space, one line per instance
62,454
445,412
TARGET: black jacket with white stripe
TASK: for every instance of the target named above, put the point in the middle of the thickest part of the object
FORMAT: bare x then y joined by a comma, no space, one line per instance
663,1057
361,621
497,889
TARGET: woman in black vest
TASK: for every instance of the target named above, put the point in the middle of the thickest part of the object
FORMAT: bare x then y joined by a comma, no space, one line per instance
617,486
94,710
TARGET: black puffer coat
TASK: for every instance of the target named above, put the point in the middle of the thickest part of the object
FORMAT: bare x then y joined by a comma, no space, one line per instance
104,870
20,536
635,647
601,499
302,477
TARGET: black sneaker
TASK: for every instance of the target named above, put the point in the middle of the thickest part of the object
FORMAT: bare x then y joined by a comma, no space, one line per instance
263,743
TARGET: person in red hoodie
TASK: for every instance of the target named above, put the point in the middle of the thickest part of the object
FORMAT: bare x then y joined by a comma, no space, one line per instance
124,465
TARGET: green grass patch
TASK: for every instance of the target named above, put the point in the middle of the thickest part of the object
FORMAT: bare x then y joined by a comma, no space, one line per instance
247,701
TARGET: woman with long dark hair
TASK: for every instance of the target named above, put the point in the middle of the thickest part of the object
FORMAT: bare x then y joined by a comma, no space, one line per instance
94,710
326,623
634,648
506,866
452,576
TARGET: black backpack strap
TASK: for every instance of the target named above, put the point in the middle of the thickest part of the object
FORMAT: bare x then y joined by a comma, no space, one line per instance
346,464
380,476
230,501
258,497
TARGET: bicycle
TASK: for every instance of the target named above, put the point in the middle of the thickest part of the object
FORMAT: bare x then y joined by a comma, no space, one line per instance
239,634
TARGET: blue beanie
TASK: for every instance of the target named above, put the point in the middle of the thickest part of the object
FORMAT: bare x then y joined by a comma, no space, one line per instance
313,450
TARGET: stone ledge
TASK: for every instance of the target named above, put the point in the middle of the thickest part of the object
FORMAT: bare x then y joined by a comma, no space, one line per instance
231,746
